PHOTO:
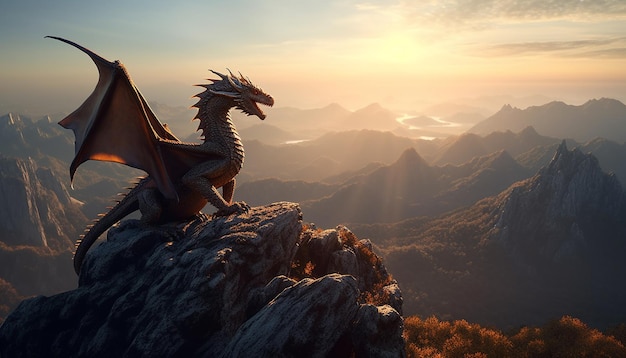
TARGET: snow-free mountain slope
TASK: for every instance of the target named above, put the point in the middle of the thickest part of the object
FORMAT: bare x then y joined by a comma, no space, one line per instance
605,118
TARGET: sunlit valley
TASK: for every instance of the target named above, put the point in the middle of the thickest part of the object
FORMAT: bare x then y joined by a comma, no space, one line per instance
504,217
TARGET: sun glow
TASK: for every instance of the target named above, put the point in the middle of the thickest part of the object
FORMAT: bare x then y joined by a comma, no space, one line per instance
396,48
311,54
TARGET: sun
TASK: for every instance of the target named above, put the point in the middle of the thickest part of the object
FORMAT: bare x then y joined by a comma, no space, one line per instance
397,48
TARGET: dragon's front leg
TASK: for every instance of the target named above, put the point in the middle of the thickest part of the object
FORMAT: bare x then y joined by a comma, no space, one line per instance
203,178
228,190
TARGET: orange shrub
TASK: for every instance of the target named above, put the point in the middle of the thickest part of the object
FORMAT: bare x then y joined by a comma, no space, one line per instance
565,337
456,339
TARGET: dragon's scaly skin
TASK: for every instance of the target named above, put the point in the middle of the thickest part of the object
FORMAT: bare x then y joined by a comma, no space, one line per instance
224,158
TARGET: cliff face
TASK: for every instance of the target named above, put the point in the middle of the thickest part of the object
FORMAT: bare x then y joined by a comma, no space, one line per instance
257,284
36,208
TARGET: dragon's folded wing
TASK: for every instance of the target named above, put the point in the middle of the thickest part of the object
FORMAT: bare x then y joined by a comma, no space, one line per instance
116,124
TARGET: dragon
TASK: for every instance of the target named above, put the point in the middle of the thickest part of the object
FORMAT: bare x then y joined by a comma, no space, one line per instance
116,124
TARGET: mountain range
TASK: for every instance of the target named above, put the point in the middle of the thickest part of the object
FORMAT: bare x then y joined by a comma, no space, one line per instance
550,245
435,208
345,162
411,186
605,118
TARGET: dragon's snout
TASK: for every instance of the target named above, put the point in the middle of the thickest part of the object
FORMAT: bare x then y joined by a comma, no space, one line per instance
266,100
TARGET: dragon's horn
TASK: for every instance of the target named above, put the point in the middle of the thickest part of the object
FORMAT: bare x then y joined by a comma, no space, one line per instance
244,78
234,81
224,93
219,74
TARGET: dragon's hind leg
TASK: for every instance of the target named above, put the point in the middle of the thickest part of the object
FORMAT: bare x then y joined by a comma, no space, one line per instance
150,205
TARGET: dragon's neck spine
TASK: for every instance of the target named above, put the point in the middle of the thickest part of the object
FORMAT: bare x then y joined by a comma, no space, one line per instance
217,126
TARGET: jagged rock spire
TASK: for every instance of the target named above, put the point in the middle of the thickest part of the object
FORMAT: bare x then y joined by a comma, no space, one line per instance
558,209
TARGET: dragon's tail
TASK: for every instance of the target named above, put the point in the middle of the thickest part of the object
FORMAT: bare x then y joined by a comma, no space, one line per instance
122,208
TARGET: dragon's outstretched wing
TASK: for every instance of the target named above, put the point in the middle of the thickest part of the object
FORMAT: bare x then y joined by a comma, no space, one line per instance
116,124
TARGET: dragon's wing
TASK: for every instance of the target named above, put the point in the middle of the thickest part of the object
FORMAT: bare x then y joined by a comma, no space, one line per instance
116,124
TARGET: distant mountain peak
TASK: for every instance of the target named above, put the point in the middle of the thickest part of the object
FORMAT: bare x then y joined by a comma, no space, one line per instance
373,116
457,151
603,101
502,156
334,106
568,162
529,132
372,106
554,104
507,108
411,157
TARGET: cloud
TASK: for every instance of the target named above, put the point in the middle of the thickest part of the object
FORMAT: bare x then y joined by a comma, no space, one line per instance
604,48
611,53
482,13
571,9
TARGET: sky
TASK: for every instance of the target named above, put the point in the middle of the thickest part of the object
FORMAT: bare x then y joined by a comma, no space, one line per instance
308,54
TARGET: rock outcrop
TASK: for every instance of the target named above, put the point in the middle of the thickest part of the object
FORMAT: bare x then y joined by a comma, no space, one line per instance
259,284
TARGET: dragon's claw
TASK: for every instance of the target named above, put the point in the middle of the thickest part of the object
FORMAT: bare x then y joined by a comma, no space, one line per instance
236,208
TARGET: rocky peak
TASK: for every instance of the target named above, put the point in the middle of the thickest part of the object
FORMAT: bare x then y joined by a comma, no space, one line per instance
578,184
565,160
556,212
259,284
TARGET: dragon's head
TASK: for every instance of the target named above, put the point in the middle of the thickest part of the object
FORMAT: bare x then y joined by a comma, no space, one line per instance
242,91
